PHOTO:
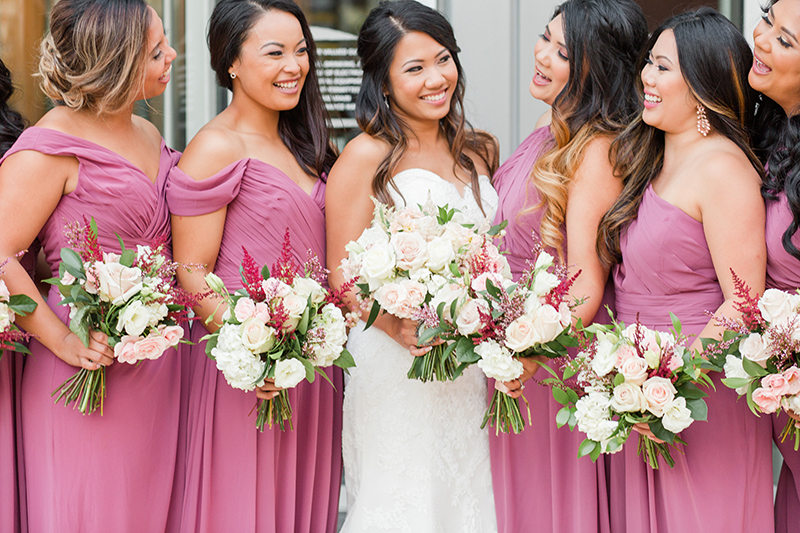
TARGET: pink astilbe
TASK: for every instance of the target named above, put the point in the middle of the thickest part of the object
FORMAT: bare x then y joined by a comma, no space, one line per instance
83,240
336,296
561,292
747,305
251,276
782,347
286,268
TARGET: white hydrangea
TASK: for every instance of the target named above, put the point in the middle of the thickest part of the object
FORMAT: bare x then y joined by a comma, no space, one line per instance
238,364
594,416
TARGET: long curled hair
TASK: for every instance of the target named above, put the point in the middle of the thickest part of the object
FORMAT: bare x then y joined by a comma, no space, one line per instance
303,129
777,143
11,122
603,39
93,57
377,43
714,60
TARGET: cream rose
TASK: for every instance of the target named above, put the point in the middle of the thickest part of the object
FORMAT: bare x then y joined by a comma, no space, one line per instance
410,249
604,358
545,282
307,287
118,283
288,373
547,323
469,318
777,306
372,236
521,334
635,370
677,416
659,393
257,337
391,297
294,306
628,398
275,288
733,369
378,265
134,318
755,348
440,254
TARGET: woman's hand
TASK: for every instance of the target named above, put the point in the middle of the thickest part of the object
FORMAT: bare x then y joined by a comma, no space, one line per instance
406,334
268,390
644,429
515,387
73,352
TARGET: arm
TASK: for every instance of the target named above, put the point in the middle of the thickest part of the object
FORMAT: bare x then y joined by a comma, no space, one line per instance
348,212
26,175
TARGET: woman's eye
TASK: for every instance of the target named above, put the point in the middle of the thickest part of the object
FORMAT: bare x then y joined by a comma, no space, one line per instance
414,69
562,55
765,18
544,36
784,42
158,55
276,53
444,59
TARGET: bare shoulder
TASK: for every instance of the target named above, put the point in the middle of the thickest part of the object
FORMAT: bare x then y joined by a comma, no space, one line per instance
361,157
212,149
725,168
596,167
148,129
545,119
59,118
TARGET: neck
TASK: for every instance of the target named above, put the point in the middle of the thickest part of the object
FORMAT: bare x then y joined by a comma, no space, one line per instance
116,122
678,146
251,117
427,133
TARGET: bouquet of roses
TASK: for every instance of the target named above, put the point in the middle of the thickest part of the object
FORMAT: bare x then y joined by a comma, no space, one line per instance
760,353
131,297
531,317
282,325
626,376
11,338
420,263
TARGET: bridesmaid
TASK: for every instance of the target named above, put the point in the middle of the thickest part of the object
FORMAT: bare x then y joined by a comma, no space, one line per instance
555,188
11,126
90,156
775,75
690,213
254,170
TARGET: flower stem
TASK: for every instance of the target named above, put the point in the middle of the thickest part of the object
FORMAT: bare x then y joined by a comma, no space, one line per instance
275,411
791,429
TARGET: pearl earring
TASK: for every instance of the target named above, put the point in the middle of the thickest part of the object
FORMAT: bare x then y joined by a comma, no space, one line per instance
233,75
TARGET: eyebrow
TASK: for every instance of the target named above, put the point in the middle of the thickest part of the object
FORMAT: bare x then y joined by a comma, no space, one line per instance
783,28
442,51
547,29
665,58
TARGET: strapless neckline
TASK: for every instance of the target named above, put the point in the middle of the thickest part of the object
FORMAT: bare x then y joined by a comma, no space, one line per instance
462,194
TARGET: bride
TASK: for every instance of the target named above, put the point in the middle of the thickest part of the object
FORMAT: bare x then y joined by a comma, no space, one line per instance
415,457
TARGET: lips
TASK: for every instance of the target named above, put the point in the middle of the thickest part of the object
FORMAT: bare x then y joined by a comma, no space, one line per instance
651,100
540,79
165,77
436,97
759,67
287,85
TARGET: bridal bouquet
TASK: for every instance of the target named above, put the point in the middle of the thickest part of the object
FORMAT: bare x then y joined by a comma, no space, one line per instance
631,375
531,317
283,326
131,297
11,338
761,353
422,264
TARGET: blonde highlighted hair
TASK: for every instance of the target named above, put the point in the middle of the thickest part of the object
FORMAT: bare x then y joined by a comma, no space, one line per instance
93,57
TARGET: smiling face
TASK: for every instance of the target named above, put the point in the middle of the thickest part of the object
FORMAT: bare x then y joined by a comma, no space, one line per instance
669,105
160,56
776,65
551,72
273,63
422,78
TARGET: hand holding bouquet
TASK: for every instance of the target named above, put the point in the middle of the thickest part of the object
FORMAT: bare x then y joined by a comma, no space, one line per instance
627,376
284,326
131,297
11,338
421,264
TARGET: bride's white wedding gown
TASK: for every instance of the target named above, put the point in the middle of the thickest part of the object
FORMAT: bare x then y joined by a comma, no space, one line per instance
415,458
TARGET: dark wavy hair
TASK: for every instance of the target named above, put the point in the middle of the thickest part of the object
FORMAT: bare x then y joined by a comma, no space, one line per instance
377,42
777,142
603,40
303,129
714,60
11,123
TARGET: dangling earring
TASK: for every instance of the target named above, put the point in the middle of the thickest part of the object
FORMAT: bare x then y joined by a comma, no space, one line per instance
386,99
702,121
233,75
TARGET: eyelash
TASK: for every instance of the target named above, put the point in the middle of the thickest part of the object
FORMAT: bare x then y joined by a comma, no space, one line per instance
560,54
661,68
158,55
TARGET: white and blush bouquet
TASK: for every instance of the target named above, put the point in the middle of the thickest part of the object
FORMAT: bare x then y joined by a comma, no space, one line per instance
283,326
11,337
760,353
132,297
626,376
422,264
524,319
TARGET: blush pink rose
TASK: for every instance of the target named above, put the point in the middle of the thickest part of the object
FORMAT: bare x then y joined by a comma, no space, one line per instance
766,400
792,376
777,383
623,353
411,250
659,393
635,370
262,312
674,363
415,291
479,283
124,349
245,308
150,347
172,334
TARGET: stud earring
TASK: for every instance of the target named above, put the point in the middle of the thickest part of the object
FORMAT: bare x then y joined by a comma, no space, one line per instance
702,121
233,75
386,99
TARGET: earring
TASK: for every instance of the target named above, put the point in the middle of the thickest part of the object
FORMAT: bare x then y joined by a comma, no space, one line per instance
233,75
702,121
386,99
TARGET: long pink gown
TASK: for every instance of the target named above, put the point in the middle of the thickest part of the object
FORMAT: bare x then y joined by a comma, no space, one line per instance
783,272
238,479
722,479
539,482
112,472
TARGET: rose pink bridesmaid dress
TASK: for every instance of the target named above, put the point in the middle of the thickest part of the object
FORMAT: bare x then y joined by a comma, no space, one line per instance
238,479
783,272
113,472
722,479
539,482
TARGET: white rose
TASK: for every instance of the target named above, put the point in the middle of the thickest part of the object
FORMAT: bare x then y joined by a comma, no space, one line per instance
628,398
604,359
734,369
659,393
6,317
545,282
532,302
410,249
547,323
677,416
372,236
635,370
118,283
497,362
257,337
294,306
521,334
755,348
305,287
777,306
440,254
447,294
544,260
378,265
288,373
134,319
469,318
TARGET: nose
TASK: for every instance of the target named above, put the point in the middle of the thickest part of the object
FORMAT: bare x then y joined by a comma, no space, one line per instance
292,65
761,38
543,56
171,54
647,75
435,80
